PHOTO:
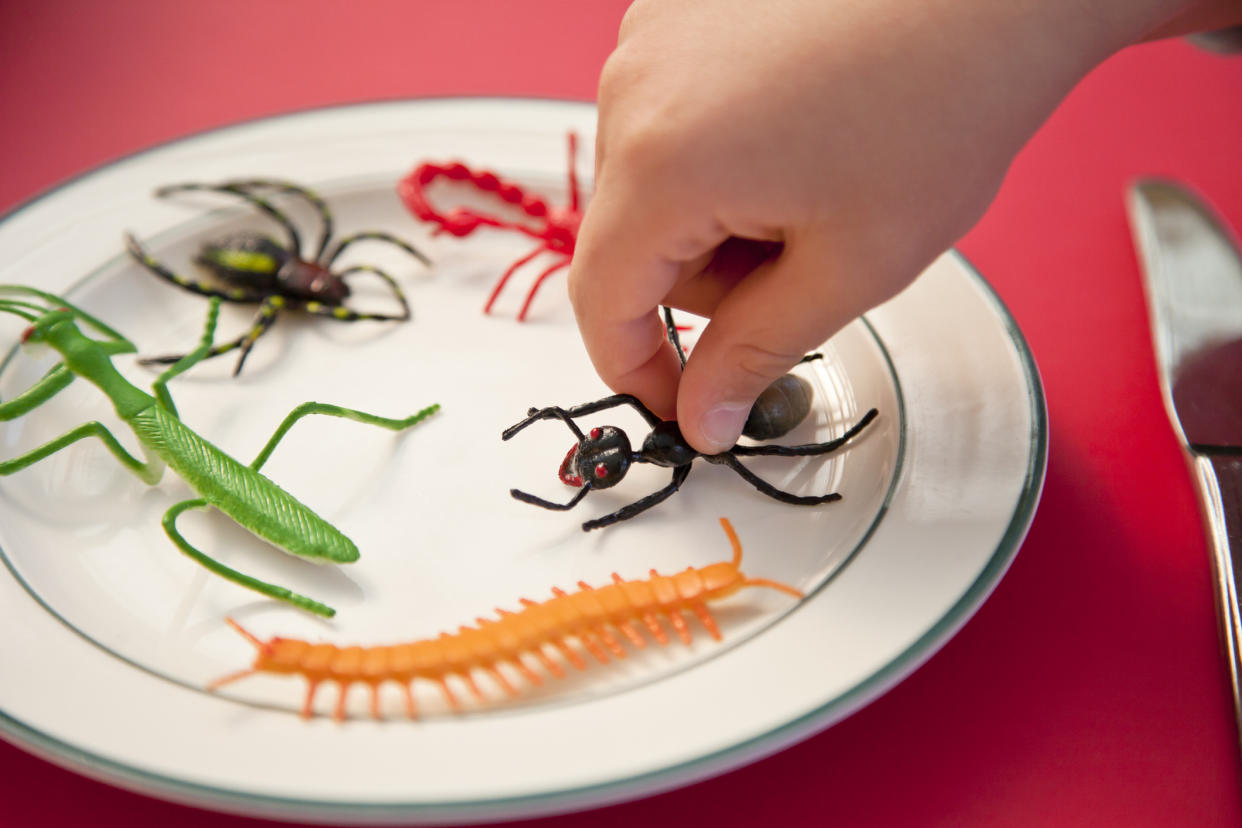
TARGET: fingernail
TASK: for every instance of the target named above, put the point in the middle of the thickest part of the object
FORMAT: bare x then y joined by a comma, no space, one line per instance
722,424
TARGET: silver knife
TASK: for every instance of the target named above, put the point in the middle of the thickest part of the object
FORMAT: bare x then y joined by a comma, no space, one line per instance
1192,273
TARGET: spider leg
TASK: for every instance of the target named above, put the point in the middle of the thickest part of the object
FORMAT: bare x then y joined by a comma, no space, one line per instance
263,320
194,286
642,505
295,240
375,235
344,314
518,494
808,449
811,357
530,295
310,196
767,488
392,283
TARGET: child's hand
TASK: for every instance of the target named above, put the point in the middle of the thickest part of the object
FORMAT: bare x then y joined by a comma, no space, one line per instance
783,166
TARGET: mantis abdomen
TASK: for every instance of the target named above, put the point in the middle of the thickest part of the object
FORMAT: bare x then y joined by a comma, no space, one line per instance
249,498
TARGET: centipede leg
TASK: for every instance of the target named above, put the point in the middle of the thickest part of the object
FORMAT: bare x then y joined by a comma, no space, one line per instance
500,679
549,663
407,694
679,624
308,708
448,694
705,618
653,626
338,713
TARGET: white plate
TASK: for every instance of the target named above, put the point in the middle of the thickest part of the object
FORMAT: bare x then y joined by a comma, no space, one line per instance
110,634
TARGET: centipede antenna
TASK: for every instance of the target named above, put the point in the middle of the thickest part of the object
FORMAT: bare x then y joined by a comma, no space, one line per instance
231,677
731,534
245,633
764,582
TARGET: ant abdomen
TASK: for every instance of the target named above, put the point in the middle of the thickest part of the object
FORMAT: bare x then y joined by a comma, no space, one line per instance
780,408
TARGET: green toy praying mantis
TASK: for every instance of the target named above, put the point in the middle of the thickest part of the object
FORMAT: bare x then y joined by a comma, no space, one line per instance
240,491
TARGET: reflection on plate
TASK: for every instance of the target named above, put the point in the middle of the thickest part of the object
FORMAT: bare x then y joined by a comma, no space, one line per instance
936,496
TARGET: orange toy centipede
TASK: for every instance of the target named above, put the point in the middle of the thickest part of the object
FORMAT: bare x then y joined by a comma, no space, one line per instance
590,615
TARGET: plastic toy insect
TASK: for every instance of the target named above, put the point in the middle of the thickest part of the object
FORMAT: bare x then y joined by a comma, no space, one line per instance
601,457
254,268
590,615
555,228
240,491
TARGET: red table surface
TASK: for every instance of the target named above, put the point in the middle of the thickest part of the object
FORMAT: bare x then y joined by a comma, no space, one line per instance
1088,690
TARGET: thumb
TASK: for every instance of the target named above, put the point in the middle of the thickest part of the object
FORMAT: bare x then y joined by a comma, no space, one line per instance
760,329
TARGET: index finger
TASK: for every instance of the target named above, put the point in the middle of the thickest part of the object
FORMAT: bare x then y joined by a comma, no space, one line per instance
626,260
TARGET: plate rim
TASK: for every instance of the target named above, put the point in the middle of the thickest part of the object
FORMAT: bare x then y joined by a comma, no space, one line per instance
101,767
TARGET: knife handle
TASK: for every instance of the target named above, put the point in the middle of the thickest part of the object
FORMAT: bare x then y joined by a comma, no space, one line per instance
1219,479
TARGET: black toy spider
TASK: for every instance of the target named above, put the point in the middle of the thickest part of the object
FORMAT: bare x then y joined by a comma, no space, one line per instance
601,457
254,268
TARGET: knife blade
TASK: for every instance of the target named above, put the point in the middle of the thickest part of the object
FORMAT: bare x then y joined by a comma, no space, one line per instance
1192,277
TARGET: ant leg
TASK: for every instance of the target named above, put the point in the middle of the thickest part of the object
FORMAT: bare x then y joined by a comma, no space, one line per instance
767,488
337,411
295,241
552,412
627,512
518,494
671,329
539,280
271,590
310,196
344,314
808,449
613,402
194,286
377,236
567,414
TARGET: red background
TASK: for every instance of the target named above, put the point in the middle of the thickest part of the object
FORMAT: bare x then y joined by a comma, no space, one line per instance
1089,690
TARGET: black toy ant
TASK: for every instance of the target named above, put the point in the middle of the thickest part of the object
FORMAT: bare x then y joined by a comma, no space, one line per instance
603,456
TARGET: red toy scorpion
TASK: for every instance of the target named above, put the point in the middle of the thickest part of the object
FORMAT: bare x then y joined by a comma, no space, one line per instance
555,228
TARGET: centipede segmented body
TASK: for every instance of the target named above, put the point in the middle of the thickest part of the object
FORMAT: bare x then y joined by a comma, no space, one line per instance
592,616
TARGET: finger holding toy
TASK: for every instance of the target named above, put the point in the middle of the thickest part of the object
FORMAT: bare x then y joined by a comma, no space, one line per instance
783,168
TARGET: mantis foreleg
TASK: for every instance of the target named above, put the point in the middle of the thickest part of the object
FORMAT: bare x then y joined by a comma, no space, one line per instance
337,411
149,471
263,587
52,383
160,386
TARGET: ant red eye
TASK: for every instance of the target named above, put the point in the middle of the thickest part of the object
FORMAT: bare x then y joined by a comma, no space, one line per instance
595,432
601,470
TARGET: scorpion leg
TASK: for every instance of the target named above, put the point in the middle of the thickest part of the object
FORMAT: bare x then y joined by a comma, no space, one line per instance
504,277
534,288
518,494
270,590
295,241
337,411
767,488
627,512
808,449
376,235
